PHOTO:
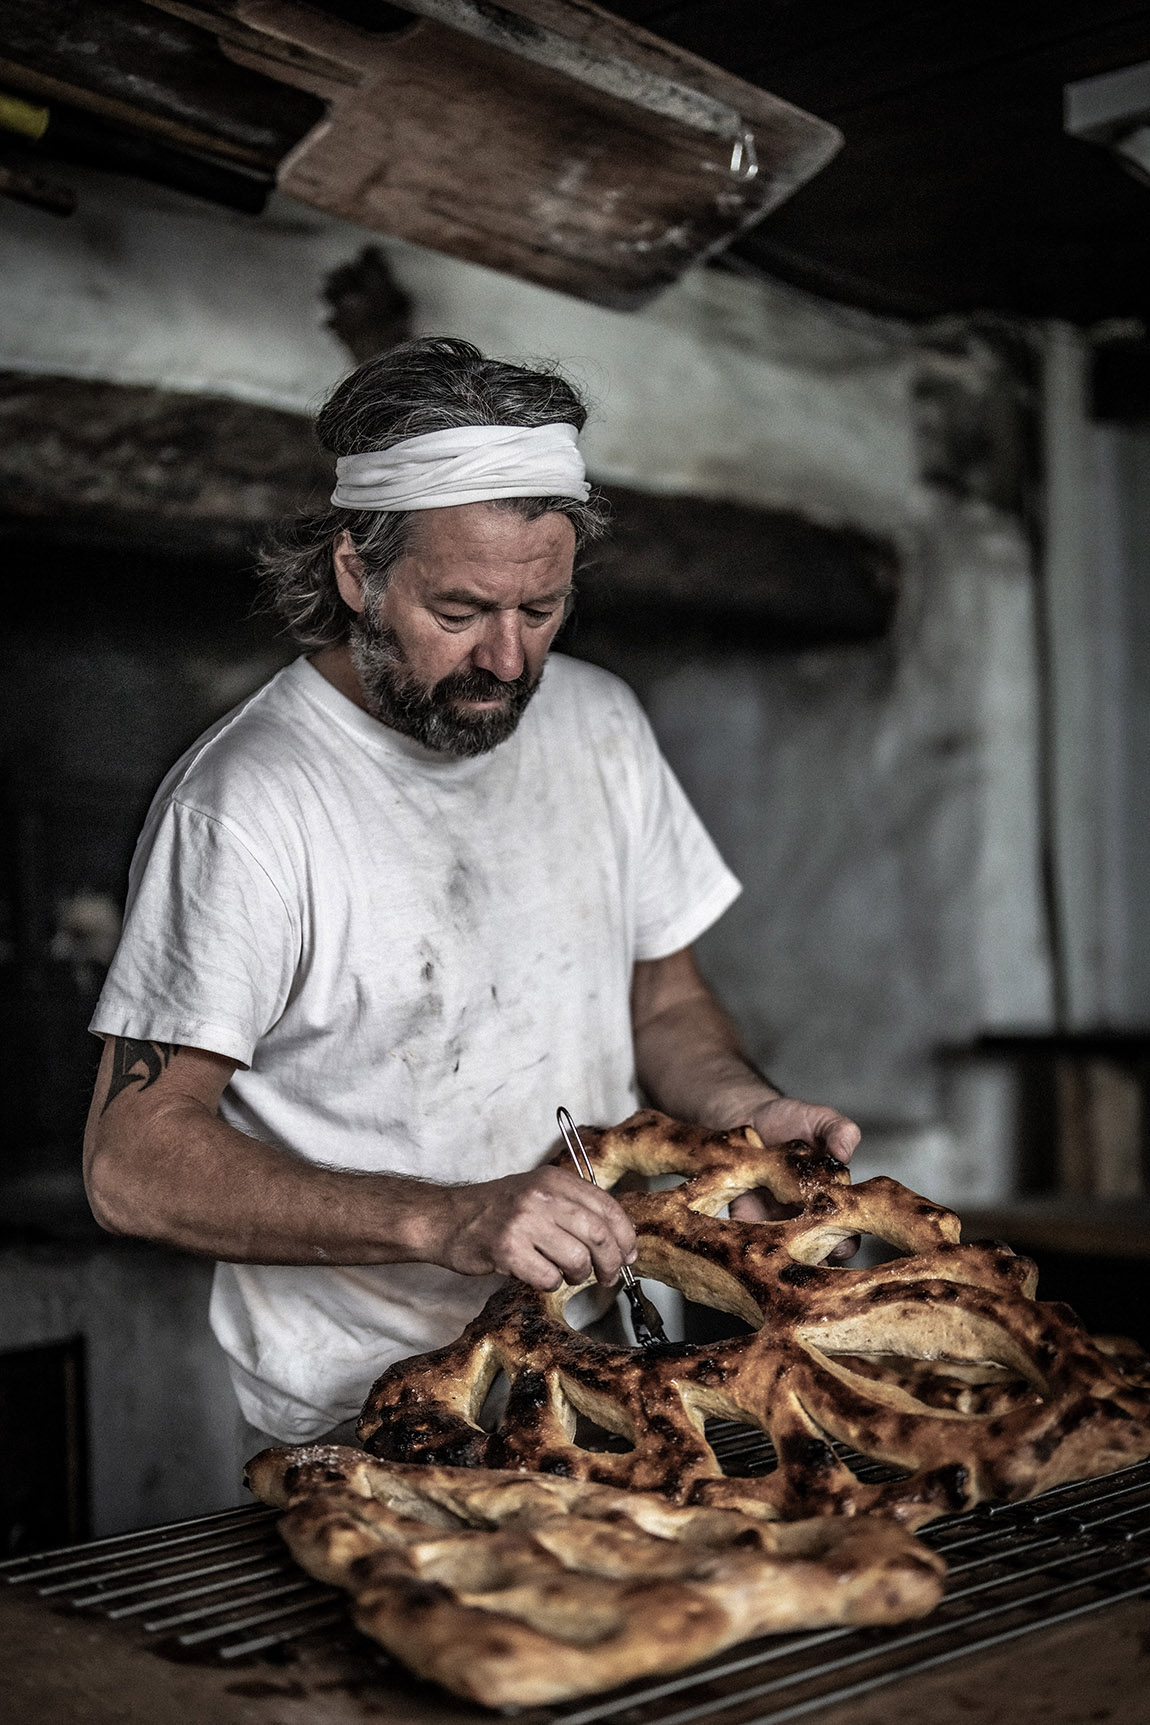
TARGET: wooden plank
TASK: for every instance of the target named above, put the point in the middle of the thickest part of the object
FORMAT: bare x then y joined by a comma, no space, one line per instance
275,56
459,146
134,66
596,27
1099,1128
1075,1138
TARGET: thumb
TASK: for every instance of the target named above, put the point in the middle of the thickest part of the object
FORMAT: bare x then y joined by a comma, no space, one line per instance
841,1137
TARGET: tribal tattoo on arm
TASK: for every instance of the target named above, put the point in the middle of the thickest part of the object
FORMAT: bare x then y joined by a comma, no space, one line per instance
135,1062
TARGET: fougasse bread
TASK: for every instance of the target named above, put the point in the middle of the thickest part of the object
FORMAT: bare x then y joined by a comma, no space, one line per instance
939,1363
516,1589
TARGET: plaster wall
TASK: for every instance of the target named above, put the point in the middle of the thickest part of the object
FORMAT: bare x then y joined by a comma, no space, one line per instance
881,807
166,1439
879,802
1100,643
724,388
1097,560
1122,470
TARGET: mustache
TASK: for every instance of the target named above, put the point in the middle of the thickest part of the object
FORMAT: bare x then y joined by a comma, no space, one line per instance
434,716
479,685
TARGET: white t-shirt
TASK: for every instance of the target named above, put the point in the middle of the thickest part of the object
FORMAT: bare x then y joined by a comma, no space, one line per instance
415,959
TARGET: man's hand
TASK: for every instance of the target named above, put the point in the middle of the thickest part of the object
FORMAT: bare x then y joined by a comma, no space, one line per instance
547,1227
785,1120
690,1063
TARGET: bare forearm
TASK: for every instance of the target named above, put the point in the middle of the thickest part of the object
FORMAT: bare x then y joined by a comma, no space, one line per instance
160,1164
689,1061
188,1179
690,1064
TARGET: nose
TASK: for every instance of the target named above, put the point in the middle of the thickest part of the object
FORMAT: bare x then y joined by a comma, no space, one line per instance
500,647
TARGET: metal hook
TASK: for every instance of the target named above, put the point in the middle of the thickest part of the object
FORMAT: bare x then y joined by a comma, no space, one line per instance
744,159
575,1147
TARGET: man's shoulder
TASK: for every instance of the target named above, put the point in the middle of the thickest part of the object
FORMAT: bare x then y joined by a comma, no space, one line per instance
596,695
243,749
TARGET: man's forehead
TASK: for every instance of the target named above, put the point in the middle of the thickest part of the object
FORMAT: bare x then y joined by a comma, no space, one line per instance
481,527
475,548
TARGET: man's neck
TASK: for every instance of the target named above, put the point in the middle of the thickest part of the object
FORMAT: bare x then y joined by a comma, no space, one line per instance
336,665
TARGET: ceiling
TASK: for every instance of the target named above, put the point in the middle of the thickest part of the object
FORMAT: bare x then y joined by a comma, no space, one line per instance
957,189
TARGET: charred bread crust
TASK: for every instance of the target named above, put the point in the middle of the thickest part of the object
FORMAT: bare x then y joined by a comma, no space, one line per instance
516,1590
939,1362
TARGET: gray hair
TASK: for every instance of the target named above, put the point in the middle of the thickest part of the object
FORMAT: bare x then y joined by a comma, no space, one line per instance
432,384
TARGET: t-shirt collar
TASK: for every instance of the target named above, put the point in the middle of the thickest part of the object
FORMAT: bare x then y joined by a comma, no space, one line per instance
381,739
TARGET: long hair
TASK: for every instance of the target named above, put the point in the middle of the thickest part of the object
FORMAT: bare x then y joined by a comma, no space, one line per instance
434,383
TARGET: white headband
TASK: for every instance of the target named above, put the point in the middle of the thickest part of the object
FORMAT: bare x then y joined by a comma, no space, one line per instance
467,464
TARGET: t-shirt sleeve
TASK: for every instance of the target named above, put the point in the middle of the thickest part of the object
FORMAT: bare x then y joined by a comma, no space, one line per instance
208,950
683,883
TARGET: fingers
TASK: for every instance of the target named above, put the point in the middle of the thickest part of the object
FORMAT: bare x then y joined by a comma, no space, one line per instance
547,1228
842,1138
757,1206
748,1207
547,1263
787,1120
599,1226
828,1130
538,1272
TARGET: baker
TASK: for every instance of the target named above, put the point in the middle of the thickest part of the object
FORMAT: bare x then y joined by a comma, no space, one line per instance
422,887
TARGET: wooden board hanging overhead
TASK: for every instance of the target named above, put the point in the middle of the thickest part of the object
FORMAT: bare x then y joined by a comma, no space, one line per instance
543,170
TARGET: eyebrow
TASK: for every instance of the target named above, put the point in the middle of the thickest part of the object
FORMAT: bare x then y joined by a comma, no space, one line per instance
460,596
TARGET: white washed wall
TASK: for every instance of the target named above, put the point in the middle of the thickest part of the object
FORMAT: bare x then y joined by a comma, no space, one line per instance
165,1435
881,806
880,803
725,387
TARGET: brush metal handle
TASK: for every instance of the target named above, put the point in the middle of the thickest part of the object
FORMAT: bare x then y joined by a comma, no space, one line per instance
647,1323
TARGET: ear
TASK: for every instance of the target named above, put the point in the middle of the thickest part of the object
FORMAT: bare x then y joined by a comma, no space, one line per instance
349,572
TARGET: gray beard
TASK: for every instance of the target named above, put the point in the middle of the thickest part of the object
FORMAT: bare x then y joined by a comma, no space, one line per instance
433,716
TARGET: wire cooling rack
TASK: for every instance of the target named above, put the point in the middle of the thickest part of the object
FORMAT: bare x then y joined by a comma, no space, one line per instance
224,1587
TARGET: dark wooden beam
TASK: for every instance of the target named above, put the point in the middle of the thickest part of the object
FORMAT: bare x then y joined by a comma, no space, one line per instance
72,447
102,464
767,577
473,150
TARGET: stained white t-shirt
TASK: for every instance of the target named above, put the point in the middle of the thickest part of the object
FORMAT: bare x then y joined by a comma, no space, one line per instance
414,959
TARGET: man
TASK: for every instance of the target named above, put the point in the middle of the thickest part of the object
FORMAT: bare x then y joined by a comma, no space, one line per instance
420,889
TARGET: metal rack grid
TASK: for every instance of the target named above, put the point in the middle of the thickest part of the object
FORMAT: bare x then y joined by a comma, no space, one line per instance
225,1587
224,1583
